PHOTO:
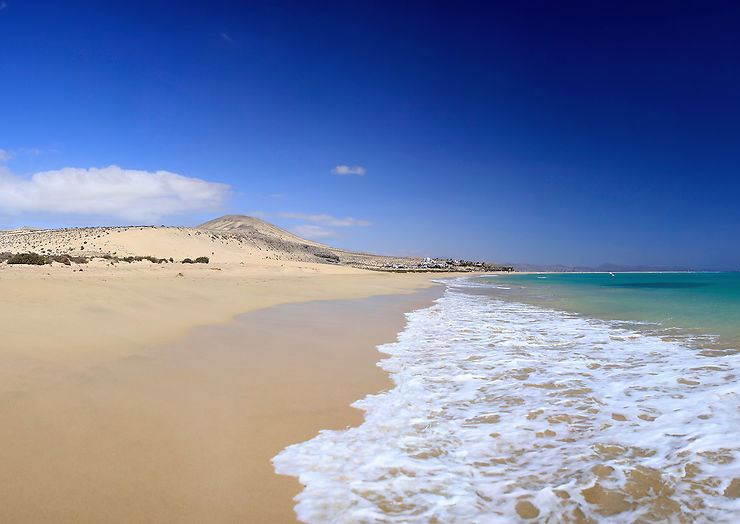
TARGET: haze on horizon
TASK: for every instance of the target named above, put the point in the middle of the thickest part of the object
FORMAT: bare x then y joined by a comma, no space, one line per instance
537,132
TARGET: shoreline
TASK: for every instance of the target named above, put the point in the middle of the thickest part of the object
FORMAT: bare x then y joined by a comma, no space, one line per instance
162,431
343,369
590,414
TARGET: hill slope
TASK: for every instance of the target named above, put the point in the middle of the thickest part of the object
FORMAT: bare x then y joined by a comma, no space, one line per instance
282,241
252,226
229,239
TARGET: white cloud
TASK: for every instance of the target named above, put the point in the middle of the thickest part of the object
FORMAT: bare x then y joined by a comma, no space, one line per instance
312,231
328,220
346,170
3,5
128,194
5,155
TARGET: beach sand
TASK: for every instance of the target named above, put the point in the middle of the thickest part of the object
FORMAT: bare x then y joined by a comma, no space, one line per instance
115,409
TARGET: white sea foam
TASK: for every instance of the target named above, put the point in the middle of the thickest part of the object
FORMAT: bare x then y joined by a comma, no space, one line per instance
503,410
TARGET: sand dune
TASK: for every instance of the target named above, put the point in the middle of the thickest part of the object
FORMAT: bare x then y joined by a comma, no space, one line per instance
230,239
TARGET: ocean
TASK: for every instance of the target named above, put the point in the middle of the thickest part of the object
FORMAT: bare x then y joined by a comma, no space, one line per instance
551,398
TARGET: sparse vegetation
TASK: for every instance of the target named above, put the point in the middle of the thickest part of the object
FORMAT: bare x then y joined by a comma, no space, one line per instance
40,260
78,260
33,259
129,259
329,257
199,260
62,259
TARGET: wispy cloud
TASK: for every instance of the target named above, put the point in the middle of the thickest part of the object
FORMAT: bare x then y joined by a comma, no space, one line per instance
6,155
320,225
226,37
327,220
347,170
126,194
312,231
273,195
3,5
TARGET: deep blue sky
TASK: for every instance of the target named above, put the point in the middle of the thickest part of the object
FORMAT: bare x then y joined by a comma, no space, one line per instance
553,132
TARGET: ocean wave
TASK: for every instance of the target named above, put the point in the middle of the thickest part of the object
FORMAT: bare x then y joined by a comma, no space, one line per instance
504,411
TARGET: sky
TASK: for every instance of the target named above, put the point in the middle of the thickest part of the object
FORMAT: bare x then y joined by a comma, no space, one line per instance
576,133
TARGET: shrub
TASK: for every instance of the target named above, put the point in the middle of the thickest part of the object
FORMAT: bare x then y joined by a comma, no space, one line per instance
62,259
202,260
27,258
330,257
130,259
187,261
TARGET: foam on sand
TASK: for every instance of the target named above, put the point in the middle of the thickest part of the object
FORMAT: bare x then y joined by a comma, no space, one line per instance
504,411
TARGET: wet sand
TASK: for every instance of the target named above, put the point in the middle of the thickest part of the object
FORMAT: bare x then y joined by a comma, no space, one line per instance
185,433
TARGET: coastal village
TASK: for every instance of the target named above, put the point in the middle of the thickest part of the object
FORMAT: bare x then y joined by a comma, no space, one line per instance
446,265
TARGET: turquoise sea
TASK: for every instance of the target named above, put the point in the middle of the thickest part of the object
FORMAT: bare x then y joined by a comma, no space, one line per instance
705,304
551,398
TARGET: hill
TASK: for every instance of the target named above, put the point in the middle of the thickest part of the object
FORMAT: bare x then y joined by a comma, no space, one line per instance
254,227
229,239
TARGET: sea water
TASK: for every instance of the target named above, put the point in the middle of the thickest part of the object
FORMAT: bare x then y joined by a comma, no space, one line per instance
569,398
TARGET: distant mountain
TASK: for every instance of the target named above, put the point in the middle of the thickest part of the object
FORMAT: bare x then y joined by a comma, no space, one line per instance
23,228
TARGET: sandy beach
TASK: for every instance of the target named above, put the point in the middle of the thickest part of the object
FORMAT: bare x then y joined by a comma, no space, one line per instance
131,393
369,263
